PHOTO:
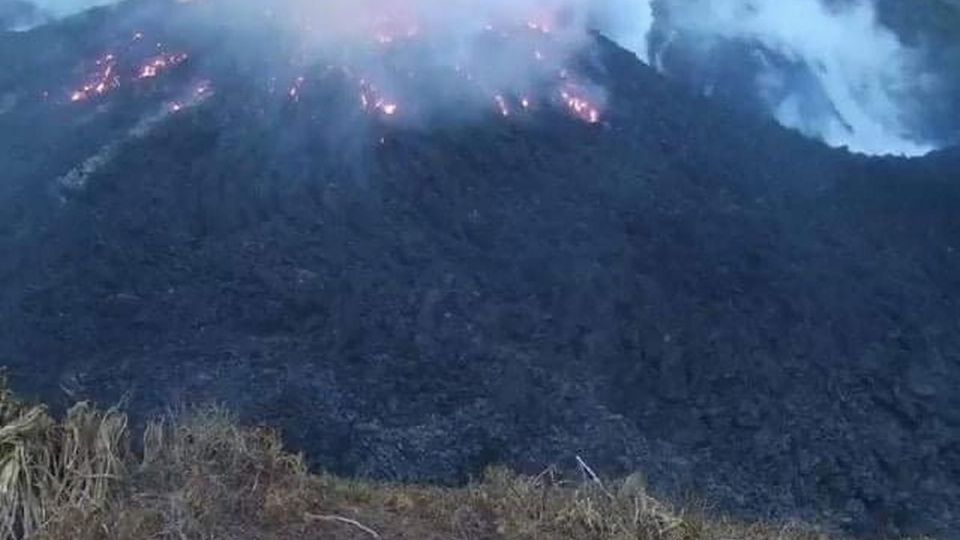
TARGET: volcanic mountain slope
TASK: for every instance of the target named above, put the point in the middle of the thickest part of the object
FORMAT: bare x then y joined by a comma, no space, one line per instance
677,289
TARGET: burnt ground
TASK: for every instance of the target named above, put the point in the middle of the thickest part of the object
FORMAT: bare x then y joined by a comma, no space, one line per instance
734,310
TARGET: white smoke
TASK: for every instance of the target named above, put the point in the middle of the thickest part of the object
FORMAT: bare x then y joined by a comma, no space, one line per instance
868,83
63,8
429,59
413,59
865,87
24,15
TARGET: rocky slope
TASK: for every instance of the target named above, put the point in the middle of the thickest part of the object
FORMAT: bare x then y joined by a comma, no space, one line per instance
681,290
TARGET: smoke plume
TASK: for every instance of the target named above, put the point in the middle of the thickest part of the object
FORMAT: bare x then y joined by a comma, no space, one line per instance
52,9
826,68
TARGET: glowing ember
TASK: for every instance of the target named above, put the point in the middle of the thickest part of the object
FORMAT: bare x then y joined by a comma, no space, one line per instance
502,105
538,27
296,88
555,85
203,89
160,63
201,93
580,106
372,101
387,33
104,80
109,76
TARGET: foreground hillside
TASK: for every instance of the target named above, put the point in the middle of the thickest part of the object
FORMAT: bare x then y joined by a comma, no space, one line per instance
200,475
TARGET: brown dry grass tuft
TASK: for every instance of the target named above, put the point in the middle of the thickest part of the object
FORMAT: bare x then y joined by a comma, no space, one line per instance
201,476
49,469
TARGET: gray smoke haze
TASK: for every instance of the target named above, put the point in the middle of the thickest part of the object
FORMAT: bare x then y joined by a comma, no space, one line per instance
62,8
462,57
22,15
504,50
862,88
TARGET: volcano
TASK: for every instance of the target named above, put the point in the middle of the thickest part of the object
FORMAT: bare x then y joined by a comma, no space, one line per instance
613,267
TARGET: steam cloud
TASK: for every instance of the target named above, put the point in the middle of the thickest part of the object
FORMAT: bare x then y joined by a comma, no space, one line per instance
858,85
861,87
61,8
458,57
461,56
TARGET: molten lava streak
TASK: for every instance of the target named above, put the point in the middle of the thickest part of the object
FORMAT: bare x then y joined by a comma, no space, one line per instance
579,105
156,65
201,93
372,101
550,83
110,73
101,82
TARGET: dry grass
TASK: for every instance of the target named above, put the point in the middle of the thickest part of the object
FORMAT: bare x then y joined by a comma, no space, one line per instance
200,476
49,468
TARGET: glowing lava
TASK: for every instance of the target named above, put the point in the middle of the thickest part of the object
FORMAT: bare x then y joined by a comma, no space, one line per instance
384,81
115,69
156,65
103,81
579,105
502,105
296,88
201,93
371,100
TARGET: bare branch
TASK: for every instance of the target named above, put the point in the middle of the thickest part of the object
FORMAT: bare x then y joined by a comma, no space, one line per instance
348,521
